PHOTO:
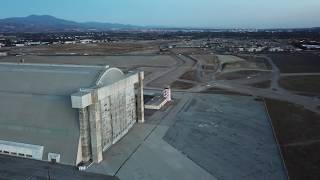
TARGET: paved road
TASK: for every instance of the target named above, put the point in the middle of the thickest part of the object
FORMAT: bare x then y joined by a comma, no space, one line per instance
275,74
172,74
308,102
274,92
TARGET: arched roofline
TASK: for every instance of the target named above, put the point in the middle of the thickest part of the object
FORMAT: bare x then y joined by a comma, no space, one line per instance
110,72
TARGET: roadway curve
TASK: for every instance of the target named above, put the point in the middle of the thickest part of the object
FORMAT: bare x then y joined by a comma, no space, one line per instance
274,92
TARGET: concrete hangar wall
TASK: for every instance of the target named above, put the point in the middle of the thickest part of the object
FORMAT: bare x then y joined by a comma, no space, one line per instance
66,113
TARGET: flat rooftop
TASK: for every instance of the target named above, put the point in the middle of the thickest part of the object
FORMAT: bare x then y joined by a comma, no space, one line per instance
47,79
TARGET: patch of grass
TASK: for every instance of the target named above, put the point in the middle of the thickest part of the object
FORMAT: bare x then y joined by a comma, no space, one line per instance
304,161
207,59
297,62
209,67
310,84
307,94
297,131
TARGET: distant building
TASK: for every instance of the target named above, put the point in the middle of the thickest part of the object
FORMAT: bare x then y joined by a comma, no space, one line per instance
255,49
86,41
33,43
68,114
157,102
3,53
311,46
241,49
276,49
19,45
70,42
45,43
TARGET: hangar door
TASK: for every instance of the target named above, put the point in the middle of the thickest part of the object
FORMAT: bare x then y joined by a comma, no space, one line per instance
118,113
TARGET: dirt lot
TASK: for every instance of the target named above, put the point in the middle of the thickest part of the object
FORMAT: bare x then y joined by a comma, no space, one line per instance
215,90
111,48
234,67
231,63
297,63
207,59
244,65
259,60
181,85
240,74
190,75
263,84
113,61
310,84
190,51
297,131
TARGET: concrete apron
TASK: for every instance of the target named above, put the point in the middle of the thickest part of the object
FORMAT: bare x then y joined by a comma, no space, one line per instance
143,154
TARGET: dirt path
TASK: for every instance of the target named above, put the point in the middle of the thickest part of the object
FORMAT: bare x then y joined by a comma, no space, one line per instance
299,74
275,74
184,64
305,143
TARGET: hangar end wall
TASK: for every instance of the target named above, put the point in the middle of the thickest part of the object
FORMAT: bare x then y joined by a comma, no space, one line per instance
110,113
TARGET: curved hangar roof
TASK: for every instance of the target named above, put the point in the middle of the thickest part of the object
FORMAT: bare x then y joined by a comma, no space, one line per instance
54,79
35,105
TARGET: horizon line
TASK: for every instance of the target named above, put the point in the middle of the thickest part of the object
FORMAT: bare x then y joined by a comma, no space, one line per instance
168,27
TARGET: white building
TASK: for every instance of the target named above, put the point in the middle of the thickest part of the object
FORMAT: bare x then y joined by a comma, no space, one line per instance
86,41
276,49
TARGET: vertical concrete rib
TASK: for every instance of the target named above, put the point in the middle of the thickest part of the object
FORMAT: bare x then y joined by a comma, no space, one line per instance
95,128
140,101
85,134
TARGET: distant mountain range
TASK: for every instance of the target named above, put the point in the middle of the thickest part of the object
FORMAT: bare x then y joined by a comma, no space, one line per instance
46,23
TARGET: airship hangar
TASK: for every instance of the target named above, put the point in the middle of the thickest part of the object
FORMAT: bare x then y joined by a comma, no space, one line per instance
69,114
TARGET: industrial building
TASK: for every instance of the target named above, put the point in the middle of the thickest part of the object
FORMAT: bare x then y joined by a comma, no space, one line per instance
67,114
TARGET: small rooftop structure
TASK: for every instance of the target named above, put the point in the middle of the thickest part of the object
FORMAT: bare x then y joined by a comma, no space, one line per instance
156,103
159,101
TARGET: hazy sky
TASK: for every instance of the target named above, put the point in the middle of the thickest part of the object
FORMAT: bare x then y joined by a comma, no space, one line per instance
177,13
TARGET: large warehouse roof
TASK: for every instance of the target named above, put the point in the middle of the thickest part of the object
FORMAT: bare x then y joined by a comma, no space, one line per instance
47,79
35,103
